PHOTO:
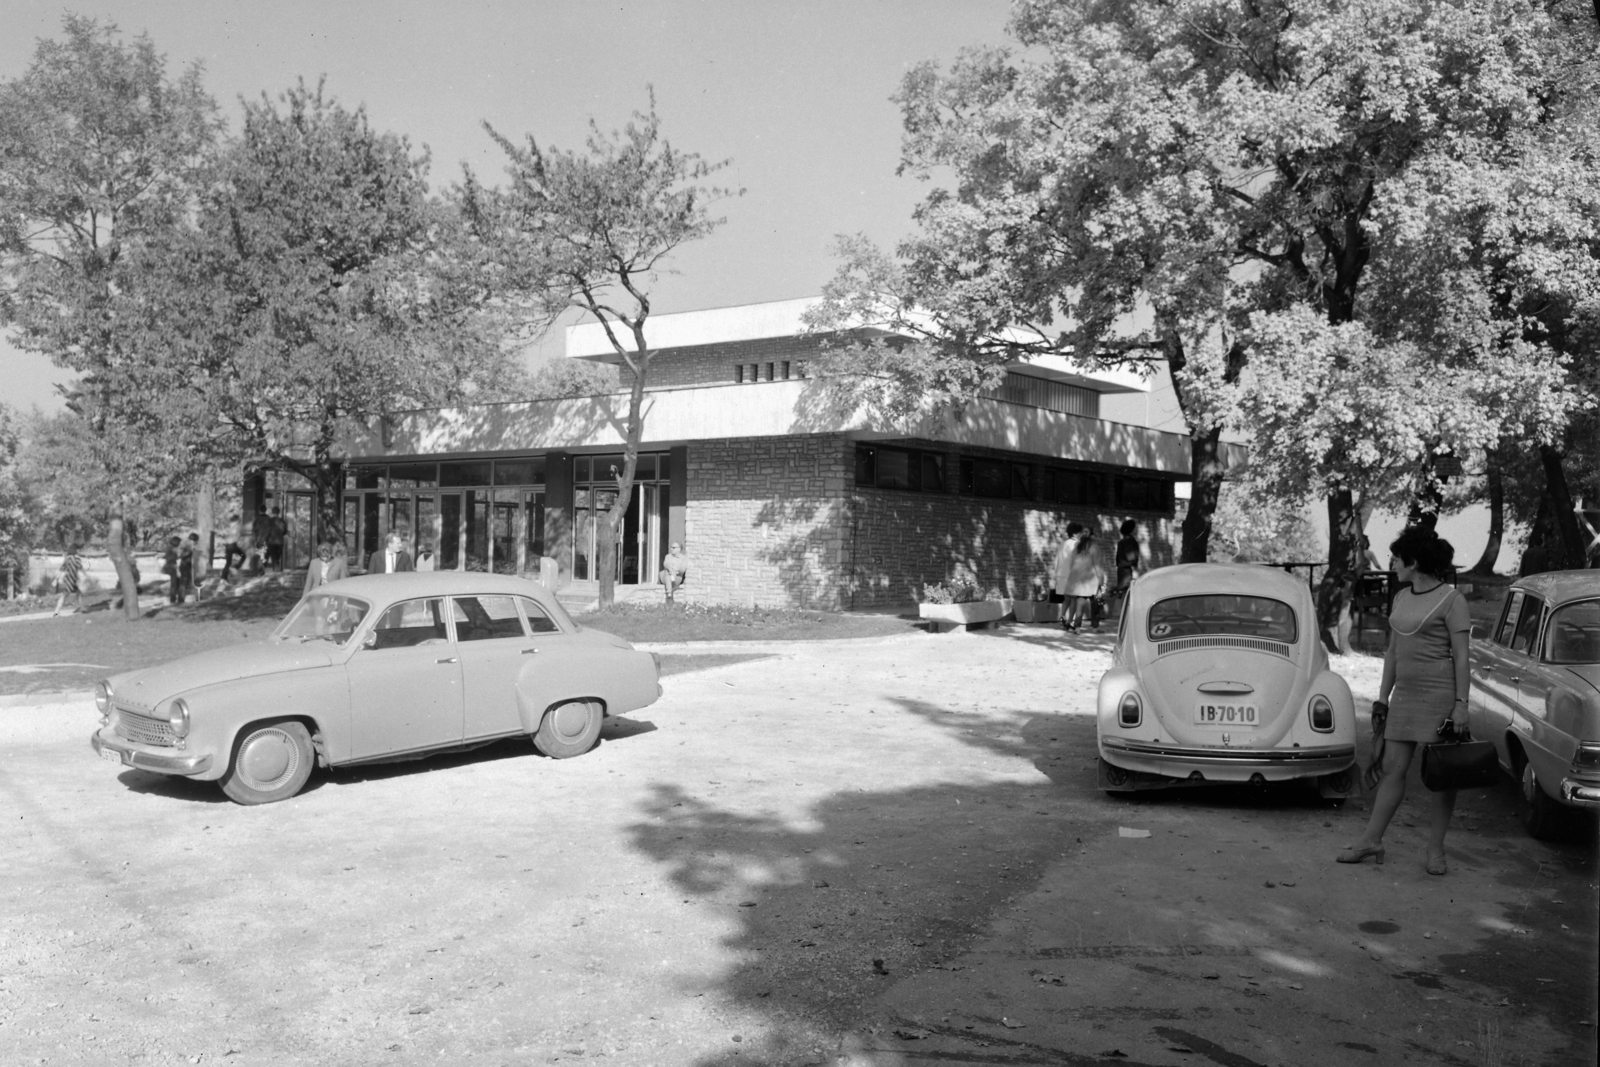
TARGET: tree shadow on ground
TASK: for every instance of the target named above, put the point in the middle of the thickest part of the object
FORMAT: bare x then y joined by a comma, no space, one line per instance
871,887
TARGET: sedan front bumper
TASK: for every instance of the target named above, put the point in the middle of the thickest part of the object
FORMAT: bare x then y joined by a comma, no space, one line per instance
1226,764
1580,794
144,758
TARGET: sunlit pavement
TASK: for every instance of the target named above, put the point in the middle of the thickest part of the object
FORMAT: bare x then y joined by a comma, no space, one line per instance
870,852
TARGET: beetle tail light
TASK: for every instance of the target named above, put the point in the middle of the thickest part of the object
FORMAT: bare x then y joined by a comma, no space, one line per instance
1130,712
1321,714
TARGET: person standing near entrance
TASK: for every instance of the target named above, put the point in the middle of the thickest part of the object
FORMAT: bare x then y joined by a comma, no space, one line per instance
277,534
391,559
232,548
426,560
1085,580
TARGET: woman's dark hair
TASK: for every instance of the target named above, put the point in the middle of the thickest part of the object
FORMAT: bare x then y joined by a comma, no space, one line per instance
1425,550
1129,528
1074,529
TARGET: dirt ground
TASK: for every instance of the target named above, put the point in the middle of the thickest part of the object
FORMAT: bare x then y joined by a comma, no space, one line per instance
873,852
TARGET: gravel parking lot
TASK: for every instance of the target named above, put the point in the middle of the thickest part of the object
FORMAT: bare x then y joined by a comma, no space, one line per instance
885,851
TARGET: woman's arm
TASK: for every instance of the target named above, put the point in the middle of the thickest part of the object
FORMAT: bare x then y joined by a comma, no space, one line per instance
1387,685
1461,652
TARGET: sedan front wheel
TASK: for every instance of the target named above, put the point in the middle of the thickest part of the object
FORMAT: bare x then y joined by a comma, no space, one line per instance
1546,818
272,762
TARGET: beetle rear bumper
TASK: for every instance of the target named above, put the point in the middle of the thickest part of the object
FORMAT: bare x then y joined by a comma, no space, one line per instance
142,758
1226,765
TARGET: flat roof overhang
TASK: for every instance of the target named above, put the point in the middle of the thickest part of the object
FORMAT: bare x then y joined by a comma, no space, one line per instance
765,409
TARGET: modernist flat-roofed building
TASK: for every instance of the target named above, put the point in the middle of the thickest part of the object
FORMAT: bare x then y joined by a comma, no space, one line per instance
777,497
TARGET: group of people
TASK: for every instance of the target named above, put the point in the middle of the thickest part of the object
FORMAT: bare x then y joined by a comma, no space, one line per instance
262,538
332,562
1079,576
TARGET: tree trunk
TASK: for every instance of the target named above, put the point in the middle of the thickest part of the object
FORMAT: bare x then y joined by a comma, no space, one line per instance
204,522
630,464
1568,536
117,549
1333,592
1205,483
1497,517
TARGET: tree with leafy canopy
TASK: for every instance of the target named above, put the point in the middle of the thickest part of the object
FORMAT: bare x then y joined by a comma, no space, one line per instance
101,156
316,291
17,526
1202,183
591,231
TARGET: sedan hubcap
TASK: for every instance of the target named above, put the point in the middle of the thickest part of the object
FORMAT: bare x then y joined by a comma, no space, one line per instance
571,720
269,757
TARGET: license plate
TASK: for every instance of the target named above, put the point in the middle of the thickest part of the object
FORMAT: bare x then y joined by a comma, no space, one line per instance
1207,714
110,756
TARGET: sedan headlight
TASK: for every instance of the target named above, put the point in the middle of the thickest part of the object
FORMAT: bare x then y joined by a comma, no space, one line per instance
178,717
1321,714
102,699
1130,712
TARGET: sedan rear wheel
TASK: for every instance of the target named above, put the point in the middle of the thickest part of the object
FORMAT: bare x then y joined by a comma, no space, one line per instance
271,762
1546,818
569,729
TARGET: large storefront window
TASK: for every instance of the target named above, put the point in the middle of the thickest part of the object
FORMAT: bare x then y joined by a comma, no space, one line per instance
449,508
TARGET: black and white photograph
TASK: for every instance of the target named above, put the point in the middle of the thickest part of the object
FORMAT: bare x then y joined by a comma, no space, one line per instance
698,533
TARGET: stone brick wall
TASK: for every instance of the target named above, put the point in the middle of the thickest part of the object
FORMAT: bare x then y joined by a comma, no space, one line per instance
780,522
764,520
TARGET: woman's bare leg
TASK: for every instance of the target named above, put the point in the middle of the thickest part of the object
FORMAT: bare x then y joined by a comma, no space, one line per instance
1391,791
1444,804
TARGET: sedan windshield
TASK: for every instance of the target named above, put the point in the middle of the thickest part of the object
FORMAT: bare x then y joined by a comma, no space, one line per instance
1222,613
323,617
1573,635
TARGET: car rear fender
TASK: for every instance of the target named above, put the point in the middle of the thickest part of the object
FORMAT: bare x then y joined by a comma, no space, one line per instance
621,680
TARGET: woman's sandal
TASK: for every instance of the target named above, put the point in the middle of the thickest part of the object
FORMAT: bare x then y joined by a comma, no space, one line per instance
1436,864
1357,853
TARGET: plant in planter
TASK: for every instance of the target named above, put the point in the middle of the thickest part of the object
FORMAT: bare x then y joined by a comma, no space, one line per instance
961,604
1037,608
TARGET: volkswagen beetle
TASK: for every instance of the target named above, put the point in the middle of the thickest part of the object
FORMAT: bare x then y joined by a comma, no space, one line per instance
1218,676
372,669
1536,693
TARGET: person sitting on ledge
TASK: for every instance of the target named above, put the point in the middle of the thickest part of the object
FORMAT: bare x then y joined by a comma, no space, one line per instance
674,570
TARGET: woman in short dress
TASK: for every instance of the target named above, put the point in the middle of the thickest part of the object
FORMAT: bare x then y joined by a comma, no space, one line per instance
69,579
1425,684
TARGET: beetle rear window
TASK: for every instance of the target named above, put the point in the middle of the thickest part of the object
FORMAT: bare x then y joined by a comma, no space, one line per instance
1222,613
323,617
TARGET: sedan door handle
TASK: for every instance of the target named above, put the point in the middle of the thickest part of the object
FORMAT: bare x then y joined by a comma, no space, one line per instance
529,651
447,659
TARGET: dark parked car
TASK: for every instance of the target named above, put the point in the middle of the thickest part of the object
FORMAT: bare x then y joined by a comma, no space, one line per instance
1536,693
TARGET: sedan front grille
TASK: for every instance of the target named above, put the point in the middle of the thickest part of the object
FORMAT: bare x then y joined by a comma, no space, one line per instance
145,729
1255,644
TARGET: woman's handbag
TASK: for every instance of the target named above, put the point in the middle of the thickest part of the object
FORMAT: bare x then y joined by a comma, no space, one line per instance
1458,762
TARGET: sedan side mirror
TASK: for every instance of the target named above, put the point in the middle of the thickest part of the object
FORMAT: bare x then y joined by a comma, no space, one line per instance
370,640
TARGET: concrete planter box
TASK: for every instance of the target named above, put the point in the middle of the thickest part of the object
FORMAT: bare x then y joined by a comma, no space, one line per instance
975,613
1037,611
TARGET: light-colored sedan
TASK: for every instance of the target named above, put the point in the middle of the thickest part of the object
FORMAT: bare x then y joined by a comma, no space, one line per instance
1536,693
372,669
1218,676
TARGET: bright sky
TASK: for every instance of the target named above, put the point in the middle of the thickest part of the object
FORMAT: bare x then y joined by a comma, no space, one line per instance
796,95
